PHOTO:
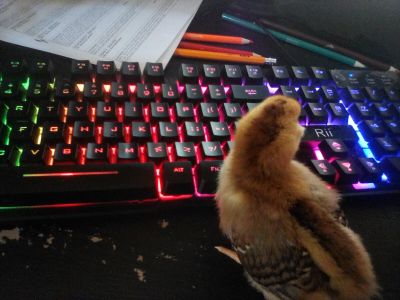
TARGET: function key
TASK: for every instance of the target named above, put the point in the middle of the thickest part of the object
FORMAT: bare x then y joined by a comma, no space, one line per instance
232,74
300,75
81,71
153,73
278,75
254,74
211,74
42,69
105,71
15,69
189,73
130,72
320,75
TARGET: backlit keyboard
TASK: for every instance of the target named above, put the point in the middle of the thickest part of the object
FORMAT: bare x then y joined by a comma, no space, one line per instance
92,134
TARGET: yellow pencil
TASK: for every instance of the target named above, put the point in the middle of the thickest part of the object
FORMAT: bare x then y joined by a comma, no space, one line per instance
224,56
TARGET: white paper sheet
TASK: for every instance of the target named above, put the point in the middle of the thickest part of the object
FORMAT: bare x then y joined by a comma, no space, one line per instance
118,30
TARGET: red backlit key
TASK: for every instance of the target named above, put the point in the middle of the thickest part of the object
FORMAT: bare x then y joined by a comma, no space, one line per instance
216,93
211,74
249,93
168,131
254,75
81,71
52,132
176,178
133,111
209,111
211,150
185,151
105,111
189,73
324,169
77,111
130,72
207,174
92,91
127,152
64,153
141,131
153,73
157,152
219,131
169,92
145,92
184,111
112,132
159,111
83,131
105,71
232,74
333,148
348,171
193,93
96,152
65,90
370,169
232,111
194,131
119,91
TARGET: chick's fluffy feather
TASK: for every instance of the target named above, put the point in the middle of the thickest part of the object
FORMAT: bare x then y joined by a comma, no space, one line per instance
282,219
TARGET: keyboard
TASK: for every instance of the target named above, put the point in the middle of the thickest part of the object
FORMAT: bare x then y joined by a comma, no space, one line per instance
95,134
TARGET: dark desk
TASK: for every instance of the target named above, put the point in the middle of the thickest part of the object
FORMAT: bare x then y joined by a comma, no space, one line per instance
165,253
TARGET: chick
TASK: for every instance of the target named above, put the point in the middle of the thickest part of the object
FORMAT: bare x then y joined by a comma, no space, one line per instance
284,223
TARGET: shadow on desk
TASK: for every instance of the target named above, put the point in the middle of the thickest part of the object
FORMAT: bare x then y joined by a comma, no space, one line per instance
159,255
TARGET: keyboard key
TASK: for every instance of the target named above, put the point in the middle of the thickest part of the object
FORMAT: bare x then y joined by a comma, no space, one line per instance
189,73
185,151
184,111
309,94
105,71
77,111
211,150
319,133
374,94
300,75
219,131
81,71
5,152
249,93
209,111
391,167
52,132
145,92
133,111
393,94
105,111
383,146
177,178
96,153
324,169
254,75
157,152
232,74
329,94
232,111
371,129
338,114
130,72
217,93
370,169
278,75
289,91
82,183
320,75
194,131
159,111
92,91
348,171
170,92
83,131
316,113
38,90
64,153
41,69
31,154
141,131
153,73
65,90
212,74
207,174
361,111
193,93
168,131
128,152
112,132
119,91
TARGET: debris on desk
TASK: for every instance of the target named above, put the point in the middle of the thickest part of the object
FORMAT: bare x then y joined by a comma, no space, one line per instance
140,258
140,274
163,223
9,234
168,256
95,238
103,261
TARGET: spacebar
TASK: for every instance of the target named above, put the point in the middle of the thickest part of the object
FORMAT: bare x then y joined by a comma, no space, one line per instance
38,185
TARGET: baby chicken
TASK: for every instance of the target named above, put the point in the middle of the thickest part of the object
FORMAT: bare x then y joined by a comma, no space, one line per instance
283,221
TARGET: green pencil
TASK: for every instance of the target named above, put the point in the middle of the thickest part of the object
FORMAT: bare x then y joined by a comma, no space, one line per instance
294,41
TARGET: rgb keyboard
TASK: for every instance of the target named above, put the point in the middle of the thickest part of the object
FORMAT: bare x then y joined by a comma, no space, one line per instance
92,134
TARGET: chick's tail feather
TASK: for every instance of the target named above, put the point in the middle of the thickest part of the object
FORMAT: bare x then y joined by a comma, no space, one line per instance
229,252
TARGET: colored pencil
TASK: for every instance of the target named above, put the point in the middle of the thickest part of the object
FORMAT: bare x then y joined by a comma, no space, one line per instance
293,41
360,57
224,56
198,46
228,39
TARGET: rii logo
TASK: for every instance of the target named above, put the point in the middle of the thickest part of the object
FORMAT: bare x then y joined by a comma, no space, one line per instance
323,132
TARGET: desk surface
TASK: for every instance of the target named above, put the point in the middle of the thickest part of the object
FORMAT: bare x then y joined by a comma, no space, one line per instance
163,254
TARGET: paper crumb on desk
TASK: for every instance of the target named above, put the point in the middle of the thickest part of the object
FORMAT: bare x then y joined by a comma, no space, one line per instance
114,247
140,258
50,240
40,235
168,256
9,234
163,223
103,261
95,239
3,254
140,274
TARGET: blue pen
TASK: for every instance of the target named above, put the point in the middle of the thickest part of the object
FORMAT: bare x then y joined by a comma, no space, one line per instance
294,41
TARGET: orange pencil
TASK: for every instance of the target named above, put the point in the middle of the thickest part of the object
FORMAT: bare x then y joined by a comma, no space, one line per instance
198,46
224,56
215,38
